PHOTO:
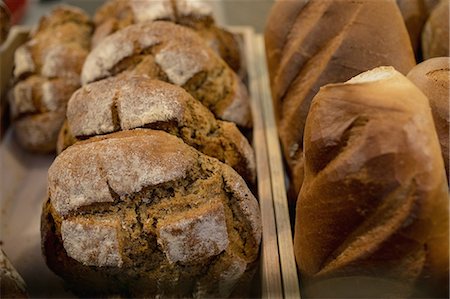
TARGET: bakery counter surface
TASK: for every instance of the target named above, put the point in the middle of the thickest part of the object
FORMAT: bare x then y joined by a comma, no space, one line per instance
24,189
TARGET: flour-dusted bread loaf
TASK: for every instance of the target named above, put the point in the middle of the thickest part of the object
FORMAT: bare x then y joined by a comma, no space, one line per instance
435,35
176,54
129,102
374,202
433,79
11,283
47,71
118,14
141,214
321,42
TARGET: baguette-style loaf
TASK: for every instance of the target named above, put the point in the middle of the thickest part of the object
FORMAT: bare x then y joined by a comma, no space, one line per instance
129,102
321,42
435,35
432,77
47,71
11,283
176,54
141,214
118,14
374,202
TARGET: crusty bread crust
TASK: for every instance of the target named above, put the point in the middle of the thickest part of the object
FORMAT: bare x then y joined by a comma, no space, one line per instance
129,102
435,35
139,213
433,79
172,53
47,71
374,201
11,283
329,42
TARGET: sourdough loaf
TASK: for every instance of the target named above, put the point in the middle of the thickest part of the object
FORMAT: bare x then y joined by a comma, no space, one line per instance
432,77
321,42
374,202
172,53
11,283
47,71
141,214
118,14
129,102
435,35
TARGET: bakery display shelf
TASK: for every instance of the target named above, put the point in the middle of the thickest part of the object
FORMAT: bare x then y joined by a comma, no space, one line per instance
277,174
24,189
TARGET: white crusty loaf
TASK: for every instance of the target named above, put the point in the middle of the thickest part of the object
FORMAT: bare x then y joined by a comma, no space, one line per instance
433,79
141,214
374,203
321,42
129,102
172,53
46,72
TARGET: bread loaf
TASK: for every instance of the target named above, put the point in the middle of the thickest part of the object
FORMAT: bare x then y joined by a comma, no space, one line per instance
47,71
435,35
432,77
374,202
129,102
172,53
141,214
5,22
118,14
11,283
321,42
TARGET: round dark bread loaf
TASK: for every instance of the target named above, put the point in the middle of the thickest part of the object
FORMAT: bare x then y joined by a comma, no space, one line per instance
129,102
374,202
435,35
176,54
321,42
140,214
118,14
47,71
433,79
11,283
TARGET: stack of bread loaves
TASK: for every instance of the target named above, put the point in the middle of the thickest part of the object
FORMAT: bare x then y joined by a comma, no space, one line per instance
118,14
372,215
143,200
47,71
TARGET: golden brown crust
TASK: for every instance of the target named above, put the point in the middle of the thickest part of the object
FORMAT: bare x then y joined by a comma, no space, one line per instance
47,71
374,201
432,77
329,42
129,102
435,35
140,213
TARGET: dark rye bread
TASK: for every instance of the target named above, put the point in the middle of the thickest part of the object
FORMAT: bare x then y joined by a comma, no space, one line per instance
321,42
433,79
435,35
374,203
140,214
47,71
175,54
129,102
11,283
118,14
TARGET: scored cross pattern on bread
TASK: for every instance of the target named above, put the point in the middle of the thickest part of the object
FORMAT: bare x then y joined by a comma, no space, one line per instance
140,213
128,102
172,53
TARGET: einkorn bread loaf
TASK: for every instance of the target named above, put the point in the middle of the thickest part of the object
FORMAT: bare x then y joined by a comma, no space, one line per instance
321,42
435,35
176,54
141,214
118,14
11,283
47,71
374,202
129,102
433,79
